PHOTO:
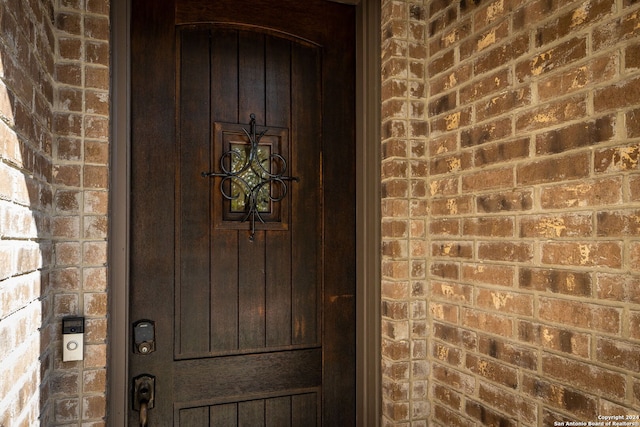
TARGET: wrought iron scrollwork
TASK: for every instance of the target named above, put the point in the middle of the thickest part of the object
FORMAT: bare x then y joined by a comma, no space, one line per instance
257,177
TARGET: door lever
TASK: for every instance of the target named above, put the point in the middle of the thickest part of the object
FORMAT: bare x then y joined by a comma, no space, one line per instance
144,387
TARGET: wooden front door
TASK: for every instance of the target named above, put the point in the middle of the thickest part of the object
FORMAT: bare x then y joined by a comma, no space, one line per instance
247,299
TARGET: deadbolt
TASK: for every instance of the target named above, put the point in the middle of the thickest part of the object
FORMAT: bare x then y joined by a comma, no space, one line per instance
144,337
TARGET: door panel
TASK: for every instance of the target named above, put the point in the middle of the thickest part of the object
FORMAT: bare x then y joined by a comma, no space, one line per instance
246,295
252,327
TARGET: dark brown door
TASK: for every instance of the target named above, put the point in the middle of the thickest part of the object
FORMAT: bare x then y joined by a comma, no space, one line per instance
251,295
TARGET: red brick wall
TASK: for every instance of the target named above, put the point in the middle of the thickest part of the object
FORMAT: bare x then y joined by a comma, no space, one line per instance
26,141
511,206
54,83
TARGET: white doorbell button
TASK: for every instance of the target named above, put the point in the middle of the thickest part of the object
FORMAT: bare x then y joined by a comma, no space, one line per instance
72,338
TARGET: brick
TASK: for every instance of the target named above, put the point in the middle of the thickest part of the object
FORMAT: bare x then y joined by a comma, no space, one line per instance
70,23
616,31
634,250
618,353
444,312
618,287
580,314
632,57
505,202
396,310
444,227
576,136
582,405
558,339
489,274
451,291
94,407
485,39
500,350
478,135
454,250
394,148
453,79
601,254
553,169
447,186
450,355
96,27
449,164
451,206
509,403
501,152
602,192
582,16
618,223
96,77
583,375
574,79
445,270
394,249
488,322
557,225
395,269
395,188
556,281
632,121
452,121
447,396
503,103
505,251
443,104
634,324
621,95
505,302
395,350
551,114
69,149
622,158
69,73
492,371
70,48
396,228
95,227
488,226
455,336
570,51
447,417
487,416
496,57
456,379
488,179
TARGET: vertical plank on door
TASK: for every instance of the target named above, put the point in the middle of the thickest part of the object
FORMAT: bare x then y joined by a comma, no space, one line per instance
306,200
194,417
225,415
278,412
224,244
193,209
278,280
251,413
251,79
251,300
304,409
251,280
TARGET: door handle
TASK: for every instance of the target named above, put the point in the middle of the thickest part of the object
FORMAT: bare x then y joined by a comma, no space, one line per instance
144,391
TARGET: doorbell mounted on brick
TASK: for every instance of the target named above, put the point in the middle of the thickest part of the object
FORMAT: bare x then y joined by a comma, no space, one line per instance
72,338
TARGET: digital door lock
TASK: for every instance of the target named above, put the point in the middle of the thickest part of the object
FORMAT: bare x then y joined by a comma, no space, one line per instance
144,337
72,338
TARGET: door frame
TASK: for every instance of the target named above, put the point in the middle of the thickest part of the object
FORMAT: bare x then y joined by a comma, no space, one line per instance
368,216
